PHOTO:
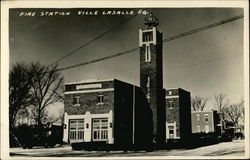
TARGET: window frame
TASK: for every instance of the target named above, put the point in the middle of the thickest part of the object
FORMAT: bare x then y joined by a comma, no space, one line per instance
170,103
147,36
206,117
198,117
100,99
76,100
147,53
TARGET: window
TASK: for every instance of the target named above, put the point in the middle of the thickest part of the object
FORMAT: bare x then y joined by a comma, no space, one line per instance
76,130
170,93
147,36
206,128
170,104
171,130
198,128
197,117
148,81
100,129
147,54
100,99
76,101
148,87
206,117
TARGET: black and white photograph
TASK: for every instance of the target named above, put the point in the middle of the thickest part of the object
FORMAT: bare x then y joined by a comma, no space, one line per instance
121,80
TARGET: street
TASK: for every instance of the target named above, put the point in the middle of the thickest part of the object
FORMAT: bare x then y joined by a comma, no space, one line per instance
235,148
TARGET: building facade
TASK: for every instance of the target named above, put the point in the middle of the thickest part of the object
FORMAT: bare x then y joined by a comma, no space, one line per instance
178,114
106,112
151,79
205,122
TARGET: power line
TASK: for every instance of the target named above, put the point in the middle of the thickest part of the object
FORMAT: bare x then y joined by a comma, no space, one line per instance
91,41
204,62
203,28
164,40
99,59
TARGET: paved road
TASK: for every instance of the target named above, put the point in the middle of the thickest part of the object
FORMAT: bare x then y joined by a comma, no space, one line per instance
235,148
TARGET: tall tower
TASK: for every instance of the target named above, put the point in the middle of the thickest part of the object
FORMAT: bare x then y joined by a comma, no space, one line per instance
151,79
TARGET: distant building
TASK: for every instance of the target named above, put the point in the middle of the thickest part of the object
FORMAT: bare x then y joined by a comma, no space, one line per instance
106,111
178,114
205,121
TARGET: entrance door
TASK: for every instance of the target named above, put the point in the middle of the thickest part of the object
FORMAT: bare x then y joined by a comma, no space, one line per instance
171,132
100,129
76,130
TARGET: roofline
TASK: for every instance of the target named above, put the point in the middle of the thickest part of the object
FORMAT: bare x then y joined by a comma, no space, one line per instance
90,81
202,111
176,88
171,88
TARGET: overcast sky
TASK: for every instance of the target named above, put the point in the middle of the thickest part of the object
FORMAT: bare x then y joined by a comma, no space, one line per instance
205,63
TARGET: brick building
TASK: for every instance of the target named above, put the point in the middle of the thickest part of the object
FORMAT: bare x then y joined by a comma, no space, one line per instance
178,114
106,111
206,122
118,113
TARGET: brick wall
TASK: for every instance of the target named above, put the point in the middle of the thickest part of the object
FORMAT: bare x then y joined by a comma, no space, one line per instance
201,122
153,69
180,112
88,102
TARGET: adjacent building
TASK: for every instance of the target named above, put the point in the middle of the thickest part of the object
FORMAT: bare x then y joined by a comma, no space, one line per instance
178,114
206,122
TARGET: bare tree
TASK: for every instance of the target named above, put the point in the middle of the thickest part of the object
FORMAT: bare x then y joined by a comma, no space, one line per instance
56,118
198,103
46,83
19,91
235,112
221,102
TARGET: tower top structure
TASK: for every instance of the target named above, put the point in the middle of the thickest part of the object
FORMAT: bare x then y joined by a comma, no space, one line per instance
151,21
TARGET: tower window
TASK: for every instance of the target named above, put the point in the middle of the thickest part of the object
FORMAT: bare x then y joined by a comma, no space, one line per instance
147,36
148,87
76,101
147,54
100,99
148,81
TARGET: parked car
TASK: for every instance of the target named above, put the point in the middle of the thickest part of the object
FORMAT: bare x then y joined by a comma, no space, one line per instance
30,136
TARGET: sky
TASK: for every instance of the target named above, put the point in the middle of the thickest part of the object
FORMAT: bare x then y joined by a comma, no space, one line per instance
205,63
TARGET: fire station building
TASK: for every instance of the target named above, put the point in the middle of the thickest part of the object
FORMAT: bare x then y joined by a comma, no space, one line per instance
115,112
108,111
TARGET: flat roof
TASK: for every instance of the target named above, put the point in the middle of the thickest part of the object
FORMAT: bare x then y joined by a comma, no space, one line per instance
90,81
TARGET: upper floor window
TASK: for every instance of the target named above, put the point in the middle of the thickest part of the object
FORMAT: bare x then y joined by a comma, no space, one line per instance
76,101
197,117
206,117
147,54
147,36
100,99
